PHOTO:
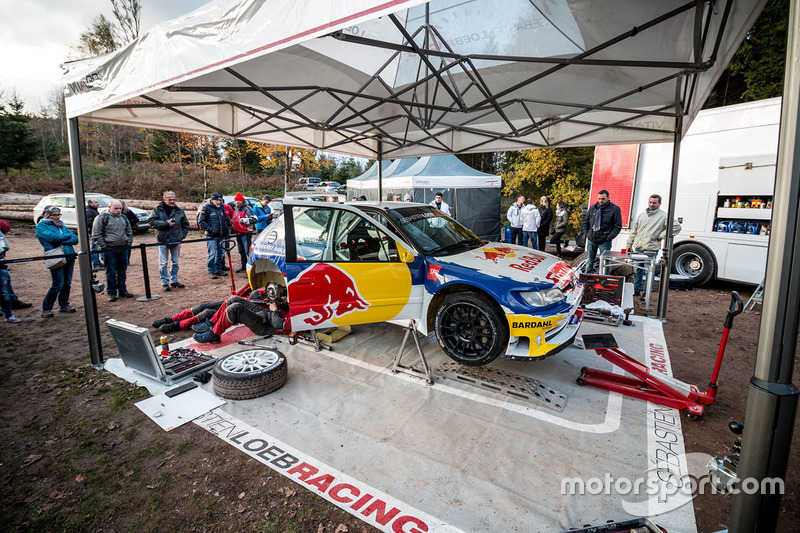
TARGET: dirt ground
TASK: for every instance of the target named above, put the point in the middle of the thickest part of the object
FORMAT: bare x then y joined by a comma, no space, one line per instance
77,455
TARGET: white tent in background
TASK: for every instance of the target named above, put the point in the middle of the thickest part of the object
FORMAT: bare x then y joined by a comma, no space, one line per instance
356,185
473,196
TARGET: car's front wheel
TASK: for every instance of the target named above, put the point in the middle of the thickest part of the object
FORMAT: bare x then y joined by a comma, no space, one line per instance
470,329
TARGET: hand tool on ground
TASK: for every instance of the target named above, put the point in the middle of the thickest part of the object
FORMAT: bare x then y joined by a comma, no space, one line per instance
652,385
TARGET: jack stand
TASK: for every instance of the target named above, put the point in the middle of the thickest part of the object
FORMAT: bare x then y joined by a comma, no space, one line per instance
311,339
397,367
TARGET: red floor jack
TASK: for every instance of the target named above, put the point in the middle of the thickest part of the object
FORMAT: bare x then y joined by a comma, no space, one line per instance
651,385
229,245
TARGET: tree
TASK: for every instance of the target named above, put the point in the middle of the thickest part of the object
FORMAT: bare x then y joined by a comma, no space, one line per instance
757,68
127,14
17,141
562,174
97,40
347,169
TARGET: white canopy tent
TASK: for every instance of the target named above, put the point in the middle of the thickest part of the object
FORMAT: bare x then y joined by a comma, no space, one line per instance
388,168
409,78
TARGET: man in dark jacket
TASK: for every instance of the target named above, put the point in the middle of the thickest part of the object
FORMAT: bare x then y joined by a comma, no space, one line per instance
112,232
601,224
172,226
91,214
214,222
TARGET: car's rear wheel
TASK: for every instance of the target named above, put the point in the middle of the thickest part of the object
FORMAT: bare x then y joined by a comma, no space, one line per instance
470,329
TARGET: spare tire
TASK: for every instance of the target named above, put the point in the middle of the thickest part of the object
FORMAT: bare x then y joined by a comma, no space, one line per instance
250,374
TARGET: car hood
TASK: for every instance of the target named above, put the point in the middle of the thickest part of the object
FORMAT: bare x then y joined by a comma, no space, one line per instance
521,264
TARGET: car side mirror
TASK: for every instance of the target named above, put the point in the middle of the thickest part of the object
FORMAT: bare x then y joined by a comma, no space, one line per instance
404,255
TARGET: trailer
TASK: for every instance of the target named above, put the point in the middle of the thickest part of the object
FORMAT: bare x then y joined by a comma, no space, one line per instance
726,178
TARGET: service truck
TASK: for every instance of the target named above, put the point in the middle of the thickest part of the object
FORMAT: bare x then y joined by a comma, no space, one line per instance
726,178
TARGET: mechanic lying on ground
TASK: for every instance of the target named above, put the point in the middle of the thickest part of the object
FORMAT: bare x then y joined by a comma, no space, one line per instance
188,317
238,310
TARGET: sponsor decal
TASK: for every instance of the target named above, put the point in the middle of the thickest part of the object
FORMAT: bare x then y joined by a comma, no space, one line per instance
375,508
529,261
495,254
561,274
433,272
327,291
535,328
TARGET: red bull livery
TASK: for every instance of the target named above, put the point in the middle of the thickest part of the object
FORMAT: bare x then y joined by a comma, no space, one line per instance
345,264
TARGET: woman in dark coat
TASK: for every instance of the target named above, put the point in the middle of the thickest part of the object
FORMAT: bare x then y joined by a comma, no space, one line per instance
546,214
560,225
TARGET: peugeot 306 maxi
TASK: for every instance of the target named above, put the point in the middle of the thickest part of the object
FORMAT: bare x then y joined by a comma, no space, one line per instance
345,264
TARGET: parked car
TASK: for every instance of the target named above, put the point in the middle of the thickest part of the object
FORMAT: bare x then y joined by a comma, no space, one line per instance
327,186
66,202
228,200
357,263
276,205
307,184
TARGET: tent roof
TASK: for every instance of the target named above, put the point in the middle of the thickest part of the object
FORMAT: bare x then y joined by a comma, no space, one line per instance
411,78
372,171
441,165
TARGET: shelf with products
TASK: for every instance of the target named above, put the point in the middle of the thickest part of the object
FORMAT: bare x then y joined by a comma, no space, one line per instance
745,213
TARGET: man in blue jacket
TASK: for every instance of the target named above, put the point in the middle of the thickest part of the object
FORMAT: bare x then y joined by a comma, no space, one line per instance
602,223
214,222
172,225
263,213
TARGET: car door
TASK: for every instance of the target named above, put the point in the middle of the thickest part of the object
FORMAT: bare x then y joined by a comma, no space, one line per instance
342,268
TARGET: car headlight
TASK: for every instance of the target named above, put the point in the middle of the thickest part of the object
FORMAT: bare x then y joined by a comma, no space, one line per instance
543,298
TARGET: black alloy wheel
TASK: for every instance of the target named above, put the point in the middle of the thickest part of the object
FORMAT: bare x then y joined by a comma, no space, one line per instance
470,329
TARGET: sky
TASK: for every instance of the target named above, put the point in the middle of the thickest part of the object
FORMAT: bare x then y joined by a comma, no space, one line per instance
36,37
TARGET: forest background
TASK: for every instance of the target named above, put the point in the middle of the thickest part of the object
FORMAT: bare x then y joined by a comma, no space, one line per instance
141,163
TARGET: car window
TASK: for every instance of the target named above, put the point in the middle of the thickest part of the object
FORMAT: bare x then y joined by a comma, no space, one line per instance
358,239
432,232
59,201
311,232
103,201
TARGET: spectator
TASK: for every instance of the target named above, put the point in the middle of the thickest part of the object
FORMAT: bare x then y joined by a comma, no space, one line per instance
113,234
362,198
560,225
396,198
530,223
407,198
646,235
242,220
263,213
514,216
603,222
172,226
237,310
52,233
214,222
440,205
133,220
546,213
91,214
5,278
16,303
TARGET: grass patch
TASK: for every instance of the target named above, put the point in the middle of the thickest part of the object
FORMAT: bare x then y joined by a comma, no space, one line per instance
185,446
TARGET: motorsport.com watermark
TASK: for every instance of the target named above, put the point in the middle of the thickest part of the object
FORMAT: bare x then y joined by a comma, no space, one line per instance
688,486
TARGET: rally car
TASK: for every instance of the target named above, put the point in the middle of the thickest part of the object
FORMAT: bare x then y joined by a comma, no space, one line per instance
345,264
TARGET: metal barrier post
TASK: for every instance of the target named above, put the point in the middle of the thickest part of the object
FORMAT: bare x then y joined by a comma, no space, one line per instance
147,296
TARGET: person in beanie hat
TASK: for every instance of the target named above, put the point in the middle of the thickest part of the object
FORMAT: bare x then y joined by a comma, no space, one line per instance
242,222
214,222
52,233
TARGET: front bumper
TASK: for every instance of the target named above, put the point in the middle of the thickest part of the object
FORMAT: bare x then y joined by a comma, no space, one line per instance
532,339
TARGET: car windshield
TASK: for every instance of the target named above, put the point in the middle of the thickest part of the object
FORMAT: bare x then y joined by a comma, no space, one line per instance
433,233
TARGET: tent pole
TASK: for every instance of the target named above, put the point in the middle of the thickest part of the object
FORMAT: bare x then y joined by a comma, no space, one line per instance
380,169
84,260
772,398
666,258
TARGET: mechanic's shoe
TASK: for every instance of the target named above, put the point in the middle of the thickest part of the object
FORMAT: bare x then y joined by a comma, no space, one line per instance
213,275
177,285
19,304
203,326
225,269
47,314
637,292
67,309
126,294
207,337
165,288
171,327
13,319
161,321
238,270
112,297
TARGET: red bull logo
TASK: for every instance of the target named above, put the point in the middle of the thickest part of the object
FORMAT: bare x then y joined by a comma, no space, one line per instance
495,254
324,292
561,274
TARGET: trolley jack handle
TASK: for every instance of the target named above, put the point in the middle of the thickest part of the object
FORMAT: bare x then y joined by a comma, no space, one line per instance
229,245
737,306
